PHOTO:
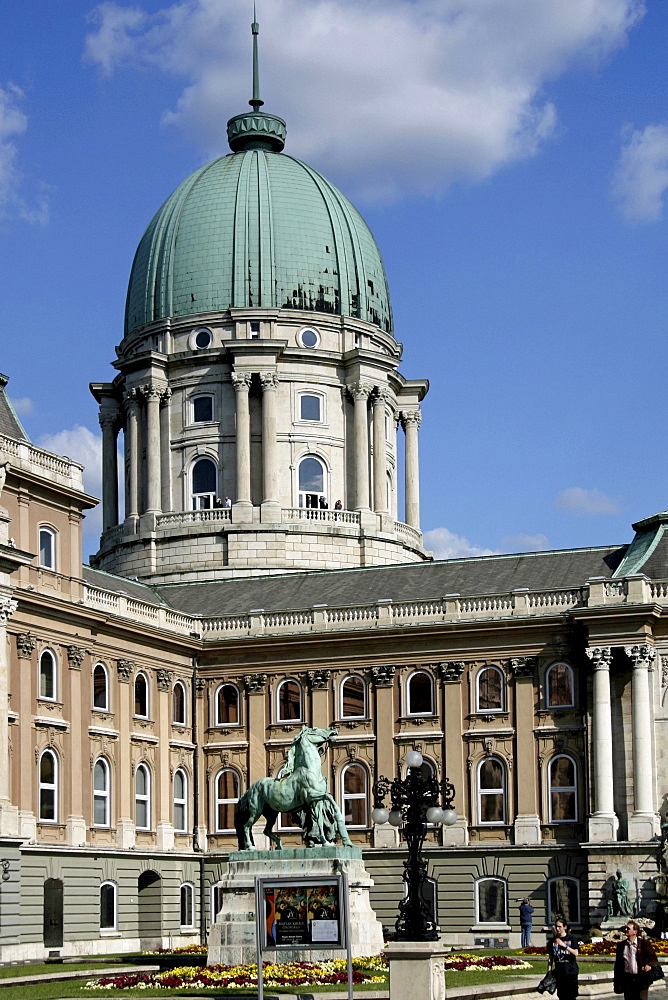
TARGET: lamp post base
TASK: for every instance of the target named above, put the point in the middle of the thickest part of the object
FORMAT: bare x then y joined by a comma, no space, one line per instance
417,969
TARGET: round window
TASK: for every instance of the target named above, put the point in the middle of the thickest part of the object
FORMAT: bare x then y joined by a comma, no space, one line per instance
203,338
309,338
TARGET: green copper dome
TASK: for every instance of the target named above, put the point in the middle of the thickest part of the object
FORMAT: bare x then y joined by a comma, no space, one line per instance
257,228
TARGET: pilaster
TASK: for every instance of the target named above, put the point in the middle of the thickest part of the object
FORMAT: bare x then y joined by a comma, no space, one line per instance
643,823
603,823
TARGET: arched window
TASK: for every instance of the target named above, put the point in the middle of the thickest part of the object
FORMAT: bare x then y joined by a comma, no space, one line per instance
100,688
108,906
101,796
563,899
559,686
226,798
353,697
48,787
187,895
179,704
420,689
47,548
289,701
227,705
563,790
489,690
491,901
180,801
310,407
311,481
491,791
204,484
141,696
202,409
47,676
354,782
142,798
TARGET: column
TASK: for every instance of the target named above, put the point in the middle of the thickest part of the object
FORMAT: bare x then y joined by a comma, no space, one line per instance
165,451
75,823
152,396
380,498
269,381
132,452
643,821
527,820
360,393
451,672
241,382
108,423
125,825
603,823
164,829
9,821
410,421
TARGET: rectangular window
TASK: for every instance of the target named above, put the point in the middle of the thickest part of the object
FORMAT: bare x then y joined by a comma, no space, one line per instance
47,549
187,915
309,407
107,907
202,409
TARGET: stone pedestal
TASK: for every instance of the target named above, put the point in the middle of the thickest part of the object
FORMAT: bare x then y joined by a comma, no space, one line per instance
417,969
232,936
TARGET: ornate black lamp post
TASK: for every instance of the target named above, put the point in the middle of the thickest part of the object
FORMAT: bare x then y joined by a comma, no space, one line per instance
415,802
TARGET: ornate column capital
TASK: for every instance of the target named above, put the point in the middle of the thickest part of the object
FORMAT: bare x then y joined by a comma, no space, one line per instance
125,669
383,677
410,417
360,390
600,656
641,657
451,670
165,395
318,679
151,391
25,644
131,397
523,666
382,395
7,609
108,420
75,655
269,380
241,381
255,683
164,678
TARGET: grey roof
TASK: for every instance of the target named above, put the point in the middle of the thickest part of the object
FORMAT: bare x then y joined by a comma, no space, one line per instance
121,585
10,425
501,574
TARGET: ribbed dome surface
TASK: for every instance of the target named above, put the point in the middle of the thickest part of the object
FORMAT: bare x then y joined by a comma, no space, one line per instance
260,229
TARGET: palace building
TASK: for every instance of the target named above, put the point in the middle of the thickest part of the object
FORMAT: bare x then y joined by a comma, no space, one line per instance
256,573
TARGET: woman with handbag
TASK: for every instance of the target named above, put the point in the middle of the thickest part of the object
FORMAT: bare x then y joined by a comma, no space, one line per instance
634,961
562,953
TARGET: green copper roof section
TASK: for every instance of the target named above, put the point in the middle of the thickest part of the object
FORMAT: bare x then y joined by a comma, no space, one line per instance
257,228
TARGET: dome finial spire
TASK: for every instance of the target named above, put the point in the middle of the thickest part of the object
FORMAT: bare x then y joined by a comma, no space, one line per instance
255,102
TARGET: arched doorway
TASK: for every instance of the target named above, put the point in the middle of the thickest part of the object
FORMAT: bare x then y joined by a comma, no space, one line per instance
311,482
53,913
149,915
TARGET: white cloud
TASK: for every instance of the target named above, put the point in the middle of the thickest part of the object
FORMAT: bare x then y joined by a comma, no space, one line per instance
23,407
446,545
525,543
576,500
81,445
415,94
641,178
13,123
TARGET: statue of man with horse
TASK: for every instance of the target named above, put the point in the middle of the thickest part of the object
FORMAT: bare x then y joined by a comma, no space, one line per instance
301,789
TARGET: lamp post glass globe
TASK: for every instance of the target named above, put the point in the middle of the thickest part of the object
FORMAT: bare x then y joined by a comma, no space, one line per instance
449,817
434,814
413,758
396,817
380,815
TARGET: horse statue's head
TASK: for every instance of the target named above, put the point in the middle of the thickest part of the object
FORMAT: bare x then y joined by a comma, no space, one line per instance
319,738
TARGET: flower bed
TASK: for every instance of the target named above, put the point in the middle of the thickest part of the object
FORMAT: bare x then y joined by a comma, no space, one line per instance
466,962
602,948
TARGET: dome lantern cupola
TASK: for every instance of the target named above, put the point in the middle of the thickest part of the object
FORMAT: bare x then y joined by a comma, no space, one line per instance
256,129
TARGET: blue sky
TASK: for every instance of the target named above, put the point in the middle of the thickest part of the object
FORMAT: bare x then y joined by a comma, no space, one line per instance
511,157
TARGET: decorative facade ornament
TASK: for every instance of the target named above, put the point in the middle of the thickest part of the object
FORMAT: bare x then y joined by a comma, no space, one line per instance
352,752
4,469
319,679
488,746
383,677
664,671
640,656
523,666
164,678
7,609
451,670
600,656
131,397
255,683
165,396
125,669
268,380
200,685
410,417
75,655
241,381
25,644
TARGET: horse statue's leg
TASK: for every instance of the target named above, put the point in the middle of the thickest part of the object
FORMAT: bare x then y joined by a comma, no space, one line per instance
270,815
340,823
248,811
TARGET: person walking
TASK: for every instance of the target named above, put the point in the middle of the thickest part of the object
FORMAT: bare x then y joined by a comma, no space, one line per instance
634,957
562,953
526,920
